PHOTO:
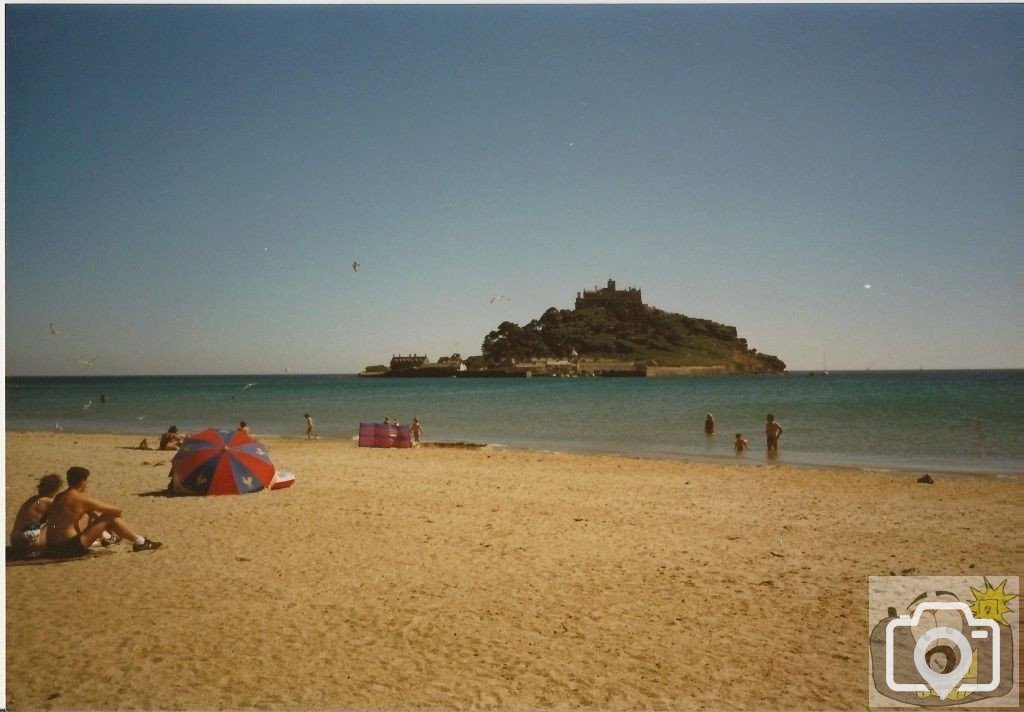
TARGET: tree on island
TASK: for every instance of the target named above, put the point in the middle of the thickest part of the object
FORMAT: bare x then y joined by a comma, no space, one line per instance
626,333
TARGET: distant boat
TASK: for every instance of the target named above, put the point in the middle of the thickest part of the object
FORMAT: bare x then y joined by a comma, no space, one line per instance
824,365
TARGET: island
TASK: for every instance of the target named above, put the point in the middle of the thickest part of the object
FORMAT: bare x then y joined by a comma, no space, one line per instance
609,332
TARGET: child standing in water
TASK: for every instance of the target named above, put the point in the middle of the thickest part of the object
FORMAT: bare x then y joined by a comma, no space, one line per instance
417,428
740,443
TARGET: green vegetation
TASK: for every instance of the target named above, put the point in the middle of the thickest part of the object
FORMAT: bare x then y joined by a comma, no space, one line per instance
626,332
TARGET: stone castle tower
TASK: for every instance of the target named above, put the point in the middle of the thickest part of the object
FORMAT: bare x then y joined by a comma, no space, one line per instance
609,297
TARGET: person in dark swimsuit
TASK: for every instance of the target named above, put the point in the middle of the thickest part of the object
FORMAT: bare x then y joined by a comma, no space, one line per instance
772,431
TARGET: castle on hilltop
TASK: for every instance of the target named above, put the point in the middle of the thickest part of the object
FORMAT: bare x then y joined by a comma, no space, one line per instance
609,297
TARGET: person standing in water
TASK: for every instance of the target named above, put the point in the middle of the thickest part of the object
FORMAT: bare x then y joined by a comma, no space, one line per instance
772,431
709,424
740,443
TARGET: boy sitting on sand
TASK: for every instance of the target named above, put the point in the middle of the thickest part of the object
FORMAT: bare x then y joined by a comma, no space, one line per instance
75,521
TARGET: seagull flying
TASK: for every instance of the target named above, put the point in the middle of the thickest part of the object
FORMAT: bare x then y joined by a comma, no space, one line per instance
53,329
87,362
86,406
356,266
247,386
141,417
500,298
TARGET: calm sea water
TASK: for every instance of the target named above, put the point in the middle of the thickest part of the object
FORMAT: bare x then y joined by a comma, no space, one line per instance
950,421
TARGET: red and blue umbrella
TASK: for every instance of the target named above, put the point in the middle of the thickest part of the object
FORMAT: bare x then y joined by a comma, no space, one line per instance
222,462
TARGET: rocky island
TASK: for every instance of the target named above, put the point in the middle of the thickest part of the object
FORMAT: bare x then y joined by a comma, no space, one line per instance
609,332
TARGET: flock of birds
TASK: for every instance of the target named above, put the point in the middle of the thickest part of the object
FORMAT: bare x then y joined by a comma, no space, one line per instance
87,362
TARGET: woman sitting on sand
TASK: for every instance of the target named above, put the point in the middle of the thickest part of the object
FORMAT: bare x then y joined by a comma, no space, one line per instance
170,440
29,533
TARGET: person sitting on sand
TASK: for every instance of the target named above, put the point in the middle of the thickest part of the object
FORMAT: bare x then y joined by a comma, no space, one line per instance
169,440
310,435
772,431
415,430
75,520
740,443
244,427
709,424
29,534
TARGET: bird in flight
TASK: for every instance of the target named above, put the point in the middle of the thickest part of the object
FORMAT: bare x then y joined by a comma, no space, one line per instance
247,386
356,266
87,362
141,417
53,329
86,406
500,298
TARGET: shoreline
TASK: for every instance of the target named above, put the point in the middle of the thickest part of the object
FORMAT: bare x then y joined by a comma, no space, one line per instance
722,460
449,578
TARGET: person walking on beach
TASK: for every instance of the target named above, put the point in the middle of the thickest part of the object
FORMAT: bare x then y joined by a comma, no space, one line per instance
772,431
415,430
310,435
740,443
29,532
709,424
75,520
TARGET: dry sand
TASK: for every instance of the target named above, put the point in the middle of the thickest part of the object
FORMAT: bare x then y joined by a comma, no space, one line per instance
454,579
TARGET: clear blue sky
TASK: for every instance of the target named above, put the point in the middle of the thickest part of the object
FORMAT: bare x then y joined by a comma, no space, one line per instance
187,187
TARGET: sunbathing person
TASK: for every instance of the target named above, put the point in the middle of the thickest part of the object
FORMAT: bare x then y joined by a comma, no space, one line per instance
170,440
29,534
75,520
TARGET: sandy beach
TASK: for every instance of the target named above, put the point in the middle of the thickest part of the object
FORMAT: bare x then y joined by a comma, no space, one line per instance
446,578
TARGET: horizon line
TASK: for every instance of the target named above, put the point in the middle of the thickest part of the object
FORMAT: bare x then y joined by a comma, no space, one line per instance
356,373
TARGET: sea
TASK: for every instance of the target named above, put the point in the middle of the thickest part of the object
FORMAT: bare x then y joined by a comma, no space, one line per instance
915,421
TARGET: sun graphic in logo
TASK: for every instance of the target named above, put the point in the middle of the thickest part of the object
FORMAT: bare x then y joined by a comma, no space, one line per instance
991,602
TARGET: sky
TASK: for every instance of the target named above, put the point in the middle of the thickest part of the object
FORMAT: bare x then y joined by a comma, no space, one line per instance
187,187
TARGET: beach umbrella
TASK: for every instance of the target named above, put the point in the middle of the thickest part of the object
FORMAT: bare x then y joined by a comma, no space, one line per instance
222,462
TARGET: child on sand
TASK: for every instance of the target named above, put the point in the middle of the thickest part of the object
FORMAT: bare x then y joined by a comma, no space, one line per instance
310,435
740,443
